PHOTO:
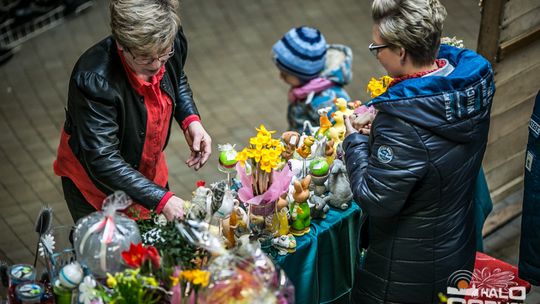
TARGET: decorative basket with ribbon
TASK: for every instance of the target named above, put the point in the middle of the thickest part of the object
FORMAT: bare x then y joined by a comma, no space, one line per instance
101,236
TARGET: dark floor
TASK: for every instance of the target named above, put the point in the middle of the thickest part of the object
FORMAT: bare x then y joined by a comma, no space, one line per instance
233,78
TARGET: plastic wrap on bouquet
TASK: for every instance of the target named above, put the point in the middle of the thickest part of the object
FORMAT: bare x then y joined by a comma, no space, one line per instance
101,236
244,274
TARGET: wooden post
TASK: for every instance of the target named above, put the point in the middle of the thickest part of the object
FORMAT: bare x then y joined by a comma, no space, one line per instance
490,30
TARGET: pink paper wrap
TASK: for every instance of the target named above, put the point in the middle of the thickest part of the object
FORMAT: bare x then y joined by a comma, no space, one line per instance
280,184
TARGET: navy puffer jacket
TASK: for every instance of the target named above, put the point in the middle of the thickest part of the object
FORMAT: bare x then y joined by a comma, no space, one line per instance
414,177
529,248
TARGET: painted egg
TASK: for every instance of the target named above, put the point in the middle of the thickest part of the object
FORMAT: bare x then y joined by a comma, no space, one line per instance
319,167
228,158
71,275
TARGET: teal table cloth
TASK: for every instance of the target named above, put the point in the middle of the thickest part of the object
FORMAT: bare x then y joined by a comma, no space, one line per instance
322,268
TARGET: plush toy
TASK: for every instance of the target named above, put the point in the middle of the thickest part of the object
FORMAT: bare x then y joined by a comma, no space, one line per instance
300,212
340,190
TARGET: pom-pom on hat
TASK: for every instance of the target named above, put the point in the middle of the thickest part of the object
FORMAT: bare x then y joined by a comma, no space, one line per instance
301,52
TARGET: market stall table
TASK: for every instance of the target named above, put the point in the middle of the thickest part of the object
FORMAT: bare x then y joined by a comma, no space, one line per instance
322,268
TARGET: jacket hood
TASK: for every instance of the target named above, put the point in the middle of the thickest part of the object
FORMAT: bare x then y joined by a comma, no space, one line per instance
449,106
338,66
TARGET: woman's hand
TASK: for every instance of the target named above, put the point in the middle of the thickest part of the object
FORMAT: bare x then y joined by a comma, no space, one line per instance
200,144
358,123
174,208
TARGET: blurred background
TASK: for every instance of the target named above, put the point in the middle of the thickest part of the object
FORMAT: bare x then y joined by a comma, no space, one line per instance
229,66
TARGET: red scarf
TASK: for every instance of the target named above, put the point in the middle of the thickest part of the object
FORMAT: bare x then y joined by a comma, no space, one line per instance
440,63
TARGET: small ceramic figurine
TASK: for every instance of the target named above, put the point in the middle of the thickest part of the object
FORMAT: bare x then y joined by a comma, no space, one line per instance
340,190
285,244
324,122
305,150
318,169
291,139
227,156
300,212
341,105
330,152
318,207
280,222
235,225
338,128
201,203
223,200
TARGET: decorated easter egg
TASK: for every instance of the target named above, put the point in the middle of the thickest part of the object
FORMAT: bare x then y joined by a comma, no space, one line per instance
319,167
227,158
71,275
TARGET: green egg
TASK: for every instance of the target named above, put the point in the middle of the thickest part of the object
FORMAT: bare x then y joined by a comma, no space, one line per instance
319,167
227,158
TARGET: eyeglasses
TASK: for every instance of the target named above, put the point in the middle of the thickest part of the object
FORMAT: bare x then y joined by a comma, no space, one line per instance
150,60
374,49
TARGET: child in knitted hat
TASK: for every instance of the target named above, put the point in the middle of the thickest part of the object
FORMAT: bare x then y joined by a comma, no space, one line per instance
315,71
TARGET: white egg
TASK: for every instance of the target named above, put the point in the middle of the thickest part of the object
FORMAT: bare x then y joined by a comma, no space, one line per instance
71,275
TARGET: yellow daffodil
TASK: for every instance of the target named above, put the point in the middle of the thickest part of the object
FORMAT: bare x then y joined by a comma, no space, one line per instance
378,87
386,80
242,156
196,276
201,278
174,280
262,130
111,281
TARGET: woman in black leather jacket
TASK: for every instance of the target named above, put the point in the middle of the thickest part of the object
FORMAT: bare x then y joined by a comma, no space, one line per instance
124,93
414,174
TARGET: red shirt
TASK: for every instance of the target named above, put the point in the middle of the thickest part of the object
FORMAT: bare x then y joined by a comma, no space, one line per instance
152,165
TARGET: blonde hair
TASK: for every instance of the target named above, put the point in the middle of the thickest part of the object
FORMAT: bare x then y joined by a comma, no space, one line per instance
144,26
415,25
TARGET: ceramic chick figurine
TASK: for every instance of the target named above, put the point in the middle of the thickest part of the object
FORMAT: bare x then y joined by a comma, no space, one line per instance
341,105
337,131
300,212
305,150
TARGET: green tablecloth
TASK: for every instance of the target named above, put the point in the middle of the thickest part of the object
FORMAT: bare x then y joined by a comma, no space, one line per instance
322,268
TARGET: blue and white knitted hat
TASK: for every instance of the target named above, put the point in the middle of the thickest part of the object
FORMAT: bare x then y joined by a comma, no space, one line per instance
301,52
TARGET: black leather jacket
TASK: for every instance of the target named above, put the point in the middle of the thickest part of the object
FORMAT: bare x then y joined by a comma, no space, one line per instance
106,118
415,176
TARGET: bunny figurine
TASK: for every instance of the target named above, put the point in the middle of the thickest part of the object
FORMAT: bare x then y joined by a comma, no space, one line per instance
300,212
340,190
